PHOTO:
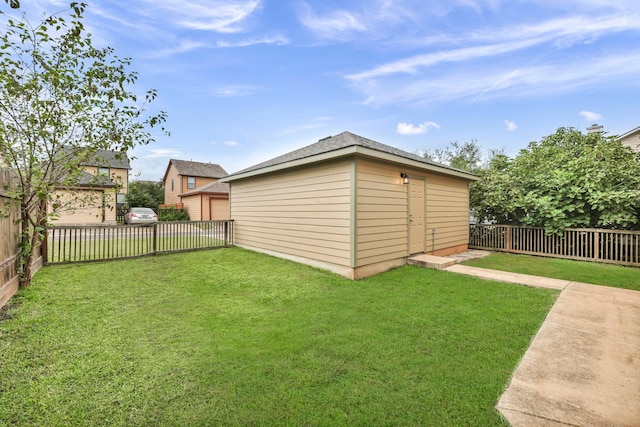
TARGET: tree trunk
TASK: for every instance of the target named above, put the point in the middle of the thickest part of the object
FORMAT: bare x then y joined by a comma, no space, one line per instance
26,249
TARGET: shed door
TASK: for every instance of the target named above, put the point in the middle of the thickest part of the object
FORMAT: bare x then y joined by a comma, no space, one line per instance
416,216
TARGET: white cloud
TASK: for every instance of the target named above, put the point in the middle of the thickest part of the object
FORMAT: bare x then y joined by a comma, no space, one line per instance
511,126
415,63
496,80
590,115
235,90
372,20
334,25
162,153
562,32
223,16
183,46
231,143
411,129
480,63
315,123
276,39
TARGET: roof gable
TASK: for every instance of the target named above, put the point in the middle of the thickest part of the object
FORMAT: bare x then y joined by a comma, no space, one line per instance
336,144
630,133
199,169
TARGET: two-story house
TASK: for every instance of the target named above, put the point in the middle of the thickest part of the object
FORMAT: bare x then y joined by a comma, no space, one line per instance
97,195
194,187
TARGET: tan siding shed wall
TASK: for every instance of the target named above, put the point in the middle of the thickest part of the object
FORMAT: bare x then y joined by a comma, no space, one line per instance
381,213
303,212
447,213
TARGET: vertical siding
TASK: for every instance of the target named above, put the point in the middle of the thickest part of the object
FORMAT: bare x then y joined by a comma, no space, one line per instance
447,212
381,213
303,212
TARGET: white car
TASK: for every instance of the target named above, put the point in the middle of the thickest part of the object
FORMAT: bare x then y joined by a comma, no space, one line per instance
141,216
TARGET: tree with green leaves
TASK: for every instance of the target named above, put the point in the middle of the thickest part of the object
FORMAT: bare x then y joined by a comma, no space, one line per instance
14,4
567,179
61,100
467,156
145,194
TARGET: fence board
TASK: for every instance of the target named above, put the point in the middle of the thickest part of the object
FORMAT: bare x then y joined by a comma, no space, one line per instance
587,244
9,230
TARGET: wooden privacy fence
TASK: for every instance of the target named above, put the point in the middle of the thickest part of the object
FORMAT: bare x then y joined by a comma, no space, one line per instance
98,243
590,244
9,230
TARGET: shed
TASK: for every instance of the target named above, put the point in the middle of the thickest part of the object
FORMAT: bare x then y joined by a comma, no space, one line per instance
351,205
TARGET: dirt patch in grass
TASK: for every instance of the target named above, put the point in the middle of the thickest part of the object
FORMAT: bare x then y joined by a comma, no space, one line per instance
6,312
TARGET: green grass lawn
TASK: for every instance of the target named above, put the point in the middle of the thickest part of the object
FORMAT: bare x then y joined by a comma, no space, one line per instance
577,271
232,337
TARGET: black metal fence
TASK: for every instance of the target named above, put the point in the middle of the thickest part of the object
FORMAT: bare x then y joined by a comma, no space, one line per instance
96,243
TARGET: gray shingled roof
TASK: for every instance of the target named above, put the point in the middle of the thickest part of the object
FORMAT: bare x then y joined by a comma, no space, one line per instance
340,141
101,158
205,170
108,158
213,187
87,180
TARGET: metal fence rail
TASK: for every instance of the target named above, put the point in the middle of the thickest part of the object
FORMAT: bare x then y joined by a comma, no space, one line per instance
97,243
590,244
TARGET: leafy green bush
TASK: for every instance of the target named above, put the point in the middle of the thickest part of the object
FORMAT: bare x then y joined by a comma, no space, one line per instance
172,214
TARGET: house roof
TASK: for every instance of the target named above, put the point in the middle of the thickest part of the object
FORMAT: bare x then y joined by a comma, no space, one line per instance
211,188
189,168
343,144
631,132
101,158
108,158
86,179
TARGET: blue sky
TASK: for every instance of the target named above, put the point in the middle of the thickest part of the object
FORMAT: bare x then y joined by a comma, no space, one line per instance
243,81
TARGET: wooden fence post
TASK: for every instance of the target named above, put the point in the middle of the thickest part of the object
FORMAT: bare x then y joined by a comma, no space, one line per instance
507,238
155,237
596,245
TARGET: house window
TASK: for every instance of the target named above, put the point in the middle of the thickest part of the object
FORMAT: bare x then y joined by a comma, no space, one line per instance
191,182
172,186
103,171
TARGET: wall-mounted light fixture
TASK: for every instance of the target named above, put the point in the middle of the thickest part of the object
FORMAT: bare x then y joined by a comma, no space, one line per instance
405,178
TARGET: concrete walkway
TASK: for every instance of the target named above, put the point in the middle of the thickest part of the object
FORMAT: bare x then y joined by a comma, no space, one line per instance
583,365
